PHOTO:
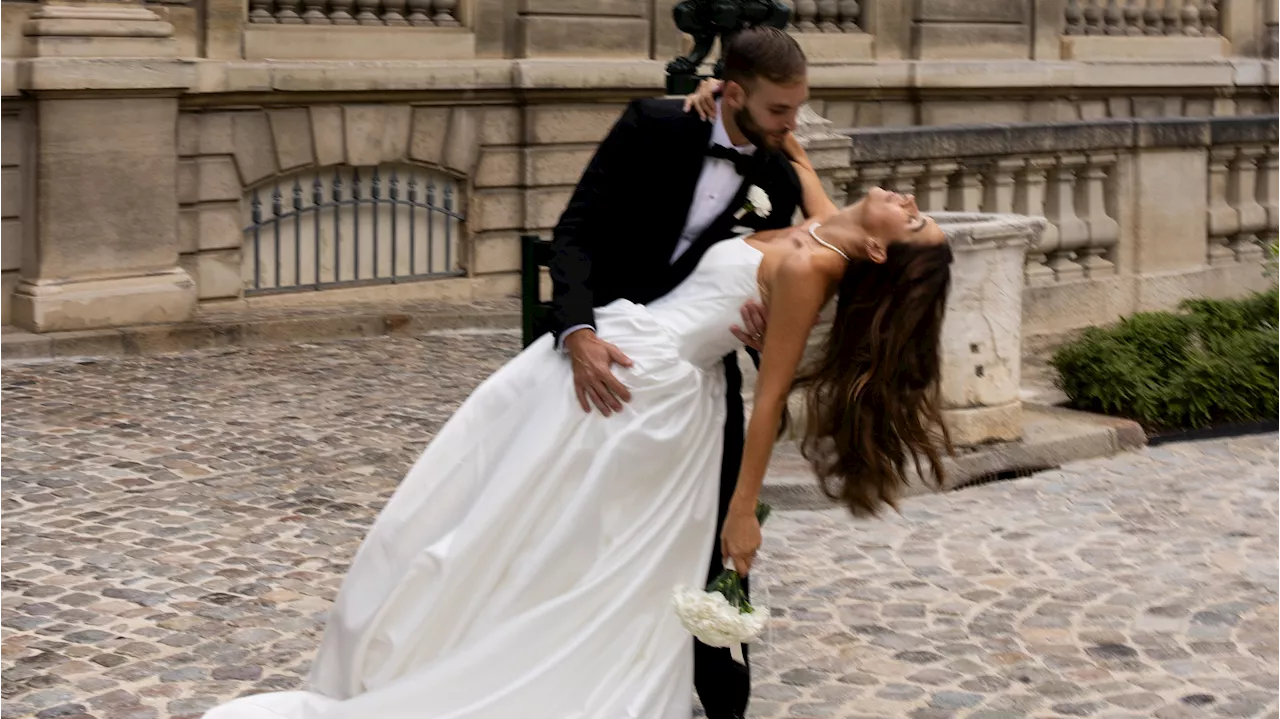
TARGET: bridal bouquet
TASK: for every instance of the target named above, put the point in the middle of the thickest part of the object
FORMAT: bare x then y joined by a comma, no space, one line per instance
720,615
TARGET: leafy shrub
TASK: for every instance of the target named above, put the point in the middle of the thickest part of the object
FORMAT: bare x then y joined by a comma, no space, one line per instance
1215,362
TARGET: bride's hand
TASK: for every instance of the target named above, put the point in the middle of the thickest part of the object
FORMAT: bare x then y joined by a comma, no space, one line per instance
703,100
740,540
794,151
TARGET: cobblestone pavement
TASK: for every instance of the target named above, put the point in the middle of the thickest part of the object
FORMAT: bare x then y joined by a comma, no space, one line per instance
174,529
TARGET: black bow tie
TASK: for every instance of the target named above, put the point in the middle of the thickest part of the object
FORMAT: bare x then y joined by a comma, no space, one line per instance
741,162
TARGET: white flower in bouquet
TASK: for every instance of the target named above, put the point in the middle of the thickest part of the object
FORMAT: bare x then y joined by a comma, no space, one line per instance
720,615
713,620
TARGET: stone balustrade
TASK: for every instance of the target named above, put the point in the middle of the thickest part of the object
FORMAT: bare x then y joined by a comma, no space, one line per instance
1136,18
826,16
1109,189
416,13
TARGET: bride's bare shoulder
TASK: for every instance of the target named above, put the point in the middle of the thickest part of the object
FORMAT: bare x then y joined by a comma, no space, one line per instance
795,268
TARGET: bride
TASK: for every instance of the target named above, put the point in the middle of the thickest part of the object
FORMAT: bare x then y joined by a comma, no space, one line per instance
524,567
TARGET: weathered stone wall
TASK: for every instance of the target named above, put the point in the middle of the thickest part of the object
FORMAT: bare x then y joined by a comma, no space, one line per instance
225,152
16,181
509,99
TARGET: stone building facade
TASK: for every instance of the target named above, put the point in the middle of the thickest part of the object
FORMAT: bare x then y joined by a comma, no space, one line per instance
166,156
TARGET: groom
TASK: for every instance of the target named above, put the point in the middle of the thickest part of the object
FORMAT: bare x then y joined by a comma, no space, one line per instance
662,188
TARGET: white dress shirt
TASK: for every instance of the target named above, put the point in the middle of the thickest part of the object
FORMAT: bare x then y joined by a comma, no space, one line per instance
718,184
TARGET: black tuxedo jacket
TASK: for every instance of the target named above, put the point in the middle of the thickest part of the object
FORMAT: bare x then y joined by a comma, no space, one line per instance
616,237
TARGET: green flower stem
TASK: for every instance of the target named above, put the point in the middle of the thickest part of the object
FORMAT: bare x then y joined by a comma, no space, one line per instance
729,583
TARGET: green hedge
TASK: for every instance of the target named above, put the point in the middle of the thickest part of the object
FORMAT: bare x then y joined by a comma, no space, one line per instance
1213,363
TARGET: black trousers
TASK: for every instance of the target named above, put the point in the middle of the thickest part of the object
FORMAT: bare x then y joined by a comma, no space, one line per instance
723,685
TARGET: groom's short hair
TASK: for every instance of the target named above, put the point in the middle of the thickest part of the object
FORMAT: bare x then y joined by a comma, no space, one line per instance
764,52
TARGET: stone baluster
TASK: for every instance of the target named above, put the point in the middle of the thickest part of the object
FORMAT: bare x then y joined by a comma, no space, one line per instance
933,187
314,12
1029,200
1093,18
839,183
1104,231
419,13
1133,18
1172,17
1114,18
368,12
856,187
393,12
1151,18
1222,220
287,12
1074,18
1209,18
446,13
850,16
1060,209
340,12
870,176
1191,19
906,179
998,185
1242,188
828,16
260,11
1269,190
966,189
805,12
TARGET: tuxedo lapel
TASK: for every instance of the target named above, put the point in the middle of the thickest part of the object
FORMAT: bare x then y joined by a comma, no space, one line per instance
686,163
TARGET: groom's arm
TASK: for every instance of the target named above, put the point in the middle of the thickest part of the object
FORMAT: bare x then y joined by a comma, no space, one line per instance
582,225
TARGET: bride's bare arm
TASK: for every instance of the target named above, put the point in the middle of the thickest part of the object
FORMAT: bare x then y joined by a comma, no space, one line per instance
813,197
797,294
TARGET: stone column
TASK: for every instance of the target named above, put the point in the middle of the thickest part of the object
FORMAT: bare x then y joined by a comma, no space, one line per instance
1271,38
1244,24
224,27
981,343
1049,25
890,22
668,41
106,81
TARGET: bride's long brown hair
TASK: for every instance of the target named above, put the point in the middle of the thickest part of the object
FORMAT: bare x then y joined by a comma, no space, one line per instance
872,393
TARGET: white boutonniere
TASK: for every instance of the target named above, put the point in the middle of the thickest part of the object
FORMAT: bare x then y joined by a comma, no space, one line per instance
757,204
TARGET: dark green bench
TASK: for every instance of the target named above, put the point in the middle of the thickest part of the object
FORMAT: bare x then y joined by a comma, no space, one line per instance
535,253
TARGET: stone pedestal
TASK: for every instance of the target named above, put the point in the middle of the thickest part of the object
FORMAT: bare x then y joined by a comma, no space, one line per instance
827,149
576,28
101,30
105,248
982,334
973,30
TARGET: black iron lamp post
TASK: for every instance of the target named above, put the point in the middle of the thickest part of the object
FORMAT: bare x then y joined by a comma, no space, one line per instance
707,20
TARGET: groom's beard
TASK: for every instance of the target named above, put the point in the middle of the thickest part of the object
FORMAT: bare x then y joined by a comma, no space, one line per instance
754,133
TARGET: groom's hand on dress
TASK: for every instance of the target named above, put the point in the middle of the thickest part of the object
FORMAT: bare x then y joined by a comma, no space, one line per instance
593,380
751,332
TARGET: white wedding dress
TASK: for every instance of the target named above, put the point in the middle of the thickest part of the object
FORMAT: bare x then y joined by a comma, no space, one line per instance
525,565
